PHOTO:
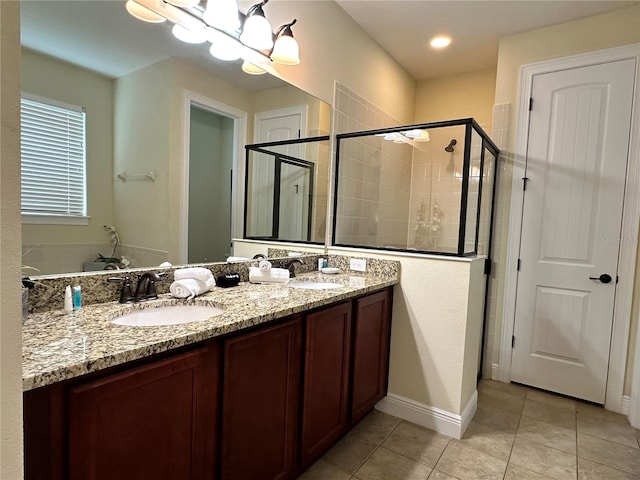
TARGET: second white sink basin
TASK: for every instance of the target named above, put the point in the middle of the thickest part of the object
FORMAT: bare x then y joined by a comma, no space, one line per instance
169,315
316,285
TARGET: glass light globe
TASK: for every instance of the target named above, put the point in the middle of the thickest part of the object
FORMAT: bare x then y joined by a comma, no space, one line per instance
286,51
189,36
222,14
184,3
224,47
257,33
143,13
251,69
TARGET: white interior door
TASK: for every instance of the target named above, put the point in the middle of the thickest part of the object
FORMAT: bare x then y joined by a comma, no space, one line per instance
572,213
269,127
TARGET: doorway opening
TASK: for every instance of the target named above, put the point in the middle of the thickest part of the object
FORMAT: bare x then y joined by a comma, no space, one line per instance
211,198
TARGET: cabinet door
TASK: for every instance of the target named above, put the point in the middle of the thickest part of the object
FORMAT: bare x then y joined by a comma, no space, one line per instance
371,333
326,380
260,403
155,421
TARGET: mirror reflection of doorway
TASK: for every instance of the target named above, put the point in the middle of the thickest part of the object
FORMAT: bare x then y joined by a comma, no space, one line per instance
211,140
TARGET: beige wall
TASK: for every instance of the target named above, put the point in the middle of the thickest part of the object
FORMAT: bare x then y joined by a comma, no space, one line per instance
57,80
318,112
618,28
10,323
334,48
141,144
460,96
149,119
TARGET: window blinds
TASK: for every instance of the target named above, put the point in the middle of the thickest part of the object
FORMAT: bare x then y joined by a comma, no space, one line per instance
53,158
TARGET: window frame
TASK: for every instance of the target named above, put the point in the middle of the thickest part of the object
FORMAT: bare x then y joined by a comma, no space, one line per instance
58,218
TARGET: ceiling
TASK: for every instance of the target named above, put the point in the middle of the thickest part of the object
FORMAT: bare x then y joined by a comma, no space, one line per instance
101,36
403,28
83,32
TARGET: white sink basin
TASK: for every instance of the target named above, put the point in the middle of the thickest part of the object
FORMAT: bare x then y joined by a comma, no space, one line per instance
169,315
316,285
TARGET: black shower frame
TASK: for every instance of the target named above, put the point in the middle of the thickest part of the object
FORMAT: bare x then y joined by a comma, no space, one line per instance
487,144
262,148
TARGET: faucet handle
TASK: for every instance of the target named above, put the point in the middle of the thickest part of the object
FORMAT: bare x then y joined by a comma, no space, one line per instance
126,295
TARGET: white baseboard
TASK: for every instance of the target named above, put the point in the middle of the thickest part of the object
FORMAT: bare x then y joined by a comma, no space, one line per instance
495,371
626,403
433,418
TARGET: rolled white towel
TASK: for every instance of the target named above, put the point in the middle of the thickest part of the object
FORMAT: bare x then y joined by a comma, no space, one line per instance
264,265
275,275
190,287
199,273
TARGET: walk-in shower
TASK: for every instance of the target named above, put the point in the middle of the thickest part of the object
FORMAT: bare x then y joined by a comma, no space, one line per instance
398,192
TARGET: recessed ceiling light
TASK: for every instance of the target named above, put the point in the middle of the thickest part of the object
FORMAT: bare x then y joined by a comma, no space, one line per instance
440,41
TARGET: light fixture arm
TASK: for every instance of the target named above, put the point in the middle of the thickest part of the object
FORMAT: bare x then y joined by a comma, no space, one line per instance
286,26
256,7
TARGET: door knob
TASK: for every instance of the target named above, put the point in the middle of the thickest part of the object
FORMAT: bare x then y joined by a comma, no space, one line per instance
604,278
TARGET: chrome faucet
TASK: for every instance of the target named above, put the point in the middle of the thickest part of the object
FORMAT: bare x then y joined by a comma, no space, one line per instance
145,290
290,264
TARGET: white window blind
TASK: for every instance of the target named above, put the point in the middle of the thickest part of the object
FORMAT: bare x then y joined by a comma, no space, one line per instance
53,158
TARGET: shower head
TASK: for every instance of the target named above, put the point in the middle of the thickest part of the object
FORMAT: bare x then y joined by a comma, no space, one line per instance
449,148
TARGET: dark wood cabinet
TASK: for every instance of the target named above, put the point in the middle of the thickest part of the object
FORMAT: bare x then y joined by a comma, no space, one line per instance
371,334
261,385
325,399
156,421
260,404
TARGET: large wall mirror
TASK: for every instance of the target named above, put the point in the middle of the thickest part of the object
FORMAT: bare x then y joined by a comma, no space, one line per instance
166,124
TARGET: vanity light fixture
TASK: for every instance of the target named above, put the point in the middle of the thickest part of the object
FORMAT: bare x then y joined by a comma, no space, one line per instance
232,34
408,136
285,49
440,41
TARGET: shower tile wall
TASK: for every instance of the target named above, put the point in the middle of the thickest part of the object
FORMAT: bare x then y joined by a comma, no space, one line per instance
319,154
392,195
376,179
435,192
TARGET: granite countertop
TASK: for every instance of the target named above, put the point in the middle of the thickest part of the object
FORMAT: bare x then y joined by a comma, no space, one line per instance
59,346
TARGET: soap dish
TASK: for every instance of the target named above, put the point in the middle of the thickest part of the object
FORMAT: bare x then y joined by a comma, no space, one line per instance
330,270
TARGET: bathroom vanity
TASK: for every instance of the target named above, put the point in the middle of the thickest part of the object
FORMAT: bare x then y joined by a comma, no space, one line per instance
258,392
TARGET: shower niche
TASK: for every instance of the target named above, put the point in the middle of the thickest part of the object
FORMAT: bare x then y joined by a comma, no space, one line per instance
425,188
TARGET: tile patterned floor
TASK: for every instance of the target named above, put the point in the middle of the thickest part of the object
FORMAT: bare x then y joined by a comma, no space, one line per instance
518,433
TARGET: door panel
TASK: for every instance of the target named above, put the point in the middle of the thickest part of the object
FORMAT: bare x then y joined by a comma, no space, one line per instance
294,202
572,214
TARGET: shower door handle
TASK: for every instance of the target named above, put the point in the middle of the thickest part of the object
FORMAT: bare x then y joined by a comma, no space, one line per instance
604,278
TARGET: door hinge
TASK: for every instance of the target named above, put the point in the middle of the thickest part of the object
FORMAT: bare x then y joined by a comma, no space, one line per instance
530,103
617,279
513,341
518,265
487,266
524,183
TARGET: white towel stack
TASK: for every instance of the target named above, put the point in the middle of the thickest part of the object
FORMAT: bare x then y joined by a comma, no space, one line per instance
191,282
263,273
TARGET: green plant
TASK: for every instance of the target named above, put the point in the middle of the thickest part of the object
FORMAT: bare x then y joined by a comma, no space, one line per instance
115,241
